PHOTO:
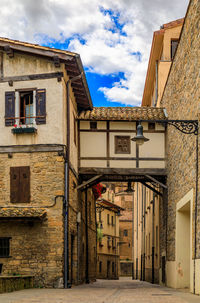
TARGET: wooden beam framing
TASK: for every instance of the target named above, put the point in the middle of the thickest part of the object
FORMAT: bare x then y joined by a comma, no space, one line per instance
156,181
123,171
32,77
87,183
151,188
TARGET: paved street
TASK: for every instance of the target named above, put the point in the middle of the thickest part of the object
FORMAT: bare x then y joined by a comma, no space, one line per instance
121,291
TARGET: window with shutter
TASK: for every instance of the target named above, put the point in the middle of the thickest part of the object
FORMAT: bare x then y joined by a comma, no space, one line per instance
174,44
20,184
9,108
41,106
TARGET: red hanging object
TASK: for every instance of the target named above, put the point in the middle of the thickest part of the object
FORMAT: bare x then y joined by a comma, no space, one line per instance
98,190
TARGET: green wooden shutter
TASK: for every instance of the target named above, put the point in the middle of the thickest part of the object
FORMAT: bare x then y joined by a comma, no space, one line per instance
9,108
41,106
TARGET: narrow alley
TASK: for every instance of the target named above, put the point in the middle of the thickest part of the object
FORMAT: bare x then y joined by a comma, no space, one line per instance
124,290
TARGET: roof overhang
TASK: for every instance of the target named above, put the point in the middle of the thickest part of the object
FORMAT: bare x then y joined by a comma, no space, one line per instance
72,62
155,54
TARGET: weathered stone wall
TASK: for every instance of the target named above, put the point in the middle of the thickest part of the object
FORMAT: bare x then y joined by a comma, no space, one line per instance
92,237
36,247
125,248
181,99
108,269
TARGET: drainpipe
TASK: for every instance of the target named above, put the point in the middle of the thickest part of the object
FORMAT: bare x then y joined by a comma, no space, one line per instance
133,236
66,206
153,248
66,210
137,237
86,238
141,269
156,93
196,210
144,232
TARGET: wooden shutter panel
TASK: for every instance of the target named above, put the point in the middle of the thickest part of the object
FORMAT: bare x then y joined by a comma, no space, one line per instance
24,184
9,108
14,184
41,106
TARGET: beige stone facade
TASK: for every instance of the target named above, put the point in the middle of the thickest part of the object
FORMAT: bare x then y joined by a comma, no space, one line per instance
45,224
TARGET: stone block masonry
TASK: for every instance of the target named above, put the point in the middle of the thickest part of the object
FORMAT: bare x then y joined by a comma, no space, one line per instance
181,99
36,246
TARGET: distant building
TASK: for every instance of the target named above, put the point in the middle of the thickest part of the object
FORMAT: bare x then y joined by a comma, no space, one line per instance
125,200
107,239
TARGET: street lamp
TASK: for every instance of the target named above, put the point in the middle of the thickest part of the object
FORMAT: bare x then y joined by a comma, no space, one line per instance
139,138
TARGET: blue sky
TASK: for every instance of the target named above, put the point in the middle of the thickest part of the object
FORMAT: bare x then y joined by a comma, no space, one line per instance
113,38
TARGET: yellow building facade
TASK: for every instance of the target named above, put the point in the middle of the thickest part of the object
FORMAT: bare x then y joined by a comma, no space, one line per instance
107,239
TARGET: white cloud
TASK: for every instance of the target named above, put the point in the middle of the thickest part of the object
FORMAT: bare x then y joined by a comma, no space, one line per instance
107,49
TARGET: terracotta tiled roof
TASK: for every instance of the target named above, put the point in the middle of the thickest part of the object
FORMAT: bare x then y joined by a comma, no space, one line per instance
19,212
123,113
36,46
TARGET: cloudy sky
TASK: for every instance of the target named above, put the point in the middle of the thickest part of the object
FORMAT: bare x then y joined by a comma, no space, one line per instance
113,38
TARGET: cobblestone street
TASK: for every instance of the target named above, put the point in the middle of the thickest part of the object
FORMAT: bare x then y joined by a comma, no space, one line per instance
116,291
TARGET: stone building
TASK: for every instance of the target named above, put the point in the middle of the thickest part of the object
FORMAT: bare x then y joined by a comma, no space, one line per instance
44,228
125,200
149,227
108,239
177,214
181,100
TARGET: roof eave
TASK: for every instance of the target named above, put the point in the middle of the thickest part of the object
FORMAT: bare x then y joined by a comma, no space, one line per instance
154,56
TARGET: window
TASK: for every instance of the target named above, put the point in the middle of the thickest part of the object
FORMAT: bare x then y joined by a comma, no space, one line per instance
122,145
20,184
112,221
4,247
151,125
125,233
174,44
75,131
108,219
93,125
99,215
113,267
100,266
113,242
25,107
108,242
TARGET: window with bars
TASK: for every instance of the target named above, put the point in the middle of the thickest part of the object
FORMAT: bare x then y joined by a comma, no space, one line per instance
5,247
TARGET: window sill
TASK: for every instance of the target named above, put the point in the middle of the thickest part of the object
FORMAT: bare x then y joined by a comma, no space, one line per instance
24,130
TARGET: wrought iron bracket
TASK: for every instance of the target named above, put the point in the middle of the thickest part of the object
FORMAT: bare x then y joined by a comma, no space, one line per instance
185,126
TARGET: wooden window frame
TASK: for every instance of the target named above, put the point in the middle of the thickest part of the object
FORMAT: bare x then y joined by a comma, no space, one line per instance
5,248
172,53
118,148
93,125
125,232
